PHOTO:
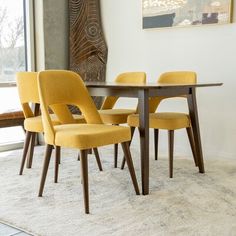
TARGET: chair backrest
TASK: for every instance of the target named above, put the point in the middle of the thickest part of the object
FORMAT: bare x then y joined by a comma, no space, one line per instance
28,93
64,87
128,78
173,77
178,77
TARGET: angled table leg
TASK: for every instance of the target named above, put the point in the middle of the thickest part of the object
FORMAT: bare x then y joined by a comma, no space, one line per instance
143,108
193,112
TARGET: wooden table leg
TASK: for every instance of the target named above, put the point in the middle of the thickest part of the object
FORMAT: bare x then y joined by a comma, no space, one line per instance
193,112
143,108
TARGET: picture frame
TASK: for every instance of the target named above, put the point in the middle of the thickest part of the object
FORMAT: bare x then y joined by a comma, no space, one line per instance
183,13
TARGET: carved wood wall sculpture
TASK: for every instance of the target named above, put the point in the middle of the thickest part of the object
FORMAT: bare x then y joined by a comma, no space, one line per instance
88,50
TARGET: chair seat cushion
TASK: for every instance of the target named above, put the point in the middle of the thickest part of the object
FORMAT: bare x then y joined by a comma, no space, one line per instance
34,124
85,136
115,116
163,120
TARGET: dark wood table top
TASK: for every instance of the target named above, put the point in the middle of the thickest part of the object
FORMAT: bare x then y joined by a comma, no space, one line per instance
146,85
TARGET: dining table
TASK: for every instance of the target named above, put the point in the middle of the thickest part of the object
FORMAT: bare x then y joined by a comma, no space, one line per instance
143,92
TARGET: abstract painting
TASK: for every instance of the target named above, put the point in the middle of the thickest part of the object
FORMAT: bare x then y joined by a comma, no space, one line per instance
172,13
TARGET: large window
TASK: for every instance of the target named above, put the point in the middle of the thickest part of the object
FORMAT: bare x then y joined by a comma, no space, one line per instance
12,39
14,24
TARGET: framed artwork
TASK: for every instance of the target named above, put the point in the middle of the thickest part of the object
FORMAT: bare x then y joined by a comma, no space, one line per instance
179,13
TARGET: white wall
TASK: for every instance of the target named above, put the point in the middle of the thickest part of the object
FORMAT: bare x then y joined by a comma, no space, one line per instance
208,50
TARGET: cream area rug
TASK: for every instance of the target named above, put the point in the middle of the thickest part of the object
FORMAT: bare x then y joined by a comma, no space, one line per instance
189,204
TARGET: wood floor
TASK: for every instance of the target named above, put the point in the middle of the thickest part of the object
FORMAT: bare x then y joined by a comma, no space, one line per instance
6,230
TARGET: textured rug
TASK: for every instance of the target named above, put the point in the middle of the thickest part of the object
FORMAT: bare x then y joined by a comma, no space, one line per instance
189,204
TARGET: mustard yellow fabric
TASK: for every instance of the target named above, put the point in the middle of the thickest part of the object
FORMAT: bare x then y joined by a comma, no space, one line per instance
66,87
85,136
115,116
127,78
35,124
119,116
173,77
163,120
178,77
167,120
28,93
27,90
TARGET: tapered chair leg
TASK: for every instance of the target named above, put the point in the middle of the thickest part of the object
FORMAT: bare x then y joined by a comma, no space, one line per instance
126,150
31,150
25,150
57,161
115,155
45,168
95,150
156,137
115,152
84,172
171,151
132,129
89,151
192,144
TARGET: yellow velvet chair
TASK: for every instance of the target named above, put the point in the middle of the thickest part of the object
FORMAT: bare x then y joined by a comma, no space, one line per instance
170,121
66,87
113,116
28,93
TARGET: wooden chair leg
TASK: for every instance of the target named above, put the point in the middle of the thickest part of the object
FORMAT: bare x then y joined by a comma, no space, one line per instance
25,151
132,129
89,151
45,168
31,150
57,160
84,172
95,150
126,150
115,152
192,144
115,155
171,151
23,127
156,137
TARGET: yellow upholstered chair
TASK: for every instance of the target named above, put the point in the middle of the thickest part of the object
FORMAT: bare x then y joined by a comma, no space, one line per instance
113,116
28,93
66,87
170,121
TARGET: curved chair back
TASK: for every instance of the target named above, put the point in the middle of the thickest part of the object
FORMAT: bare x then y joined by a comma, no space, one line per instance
128,78
64,87
174,77
178,77
28,93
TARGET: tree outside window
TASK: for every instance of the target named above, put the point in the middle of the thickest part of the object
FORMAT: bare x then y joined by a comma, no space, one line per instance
12,43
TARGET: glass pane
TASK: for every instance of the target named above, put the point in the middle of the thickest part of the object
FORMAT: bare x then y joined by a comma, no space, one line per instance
9,100
11,135
12,43
12,60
